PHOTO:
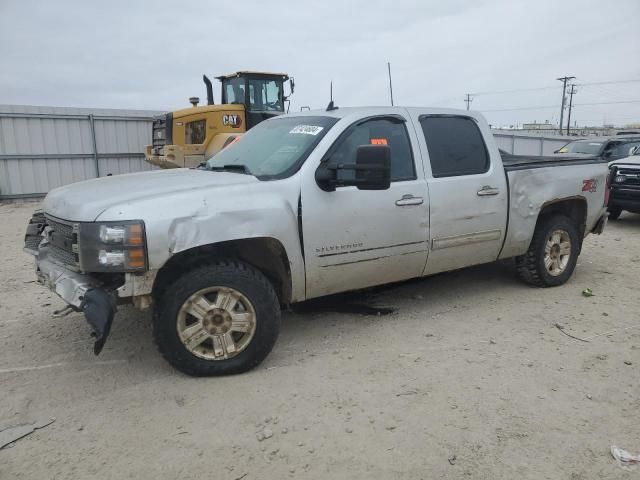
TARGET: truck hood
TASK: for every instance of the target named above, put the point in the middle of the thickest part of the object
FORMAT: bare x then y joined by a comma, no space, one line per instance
85,201
633,160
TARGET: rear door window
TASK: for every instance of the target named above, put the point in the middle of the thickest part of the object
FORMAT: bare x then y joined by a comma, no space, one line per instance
455,145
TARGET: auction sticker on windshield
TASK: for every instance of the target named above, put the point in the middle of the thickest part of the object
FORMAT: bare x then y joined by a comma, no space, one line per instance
307,129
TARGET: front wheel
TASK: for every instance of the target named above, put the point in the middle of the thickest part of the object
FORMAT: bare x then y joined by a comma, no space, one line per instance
218,319
552,255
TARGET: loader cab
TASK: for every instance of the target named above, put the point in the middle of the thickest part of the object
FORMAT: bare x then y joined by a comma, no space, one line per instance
262,94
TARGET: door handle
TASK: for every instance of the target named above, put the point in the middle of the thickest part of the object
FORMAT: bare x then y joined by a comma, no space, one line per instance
409,200
487,190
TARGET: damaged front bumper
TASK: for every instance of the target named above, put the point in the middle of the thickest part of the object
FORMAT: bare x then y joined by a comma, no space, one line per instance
82,293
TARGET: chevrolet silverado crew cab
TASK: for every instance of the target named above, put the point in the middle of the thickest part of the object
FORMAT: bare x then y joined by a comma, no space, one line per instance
306,205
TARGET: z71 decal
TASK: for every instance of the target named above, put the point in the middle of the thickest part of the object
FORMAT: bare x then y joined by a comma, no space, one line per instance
590,185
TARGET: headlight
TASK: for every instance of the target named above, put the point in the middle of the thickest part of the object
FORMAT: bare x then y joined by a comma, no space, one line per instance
620,178
113,247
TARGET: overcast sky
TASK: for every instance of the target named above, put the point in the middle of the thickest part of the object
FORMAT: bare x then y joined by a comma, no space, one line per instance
152,54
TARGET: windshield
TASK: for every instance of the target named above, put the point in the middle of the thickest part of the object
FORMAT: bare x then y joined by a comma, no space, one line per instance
592,148
624,149
275,148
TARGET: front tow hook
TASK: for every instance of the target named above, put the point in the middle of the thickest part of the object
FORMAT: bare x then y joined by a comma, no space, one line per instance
99,309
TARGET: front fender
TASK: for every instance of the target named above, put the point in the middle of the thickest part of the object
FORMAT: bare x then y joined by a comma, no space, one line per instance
200,217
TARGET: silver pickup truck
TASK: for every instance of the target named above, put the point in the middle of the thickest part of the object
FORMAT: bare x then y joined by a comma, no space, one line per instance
305,205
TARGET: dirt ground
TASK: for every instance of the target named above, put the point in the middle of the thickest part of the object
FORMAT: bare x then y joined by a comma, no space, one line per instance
468,376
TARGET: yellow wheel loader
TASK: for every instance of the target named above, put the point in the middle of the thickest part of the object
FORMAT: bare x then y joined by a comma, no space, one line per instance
188,137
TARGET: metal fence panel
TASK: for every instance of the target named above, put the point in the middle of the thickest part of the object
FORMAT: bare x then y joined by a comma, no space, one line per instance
116,165
519,144
42,148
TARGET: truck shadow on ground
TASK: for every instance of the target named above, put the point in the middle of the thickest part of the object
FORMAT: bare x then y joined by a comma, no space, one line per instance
389,299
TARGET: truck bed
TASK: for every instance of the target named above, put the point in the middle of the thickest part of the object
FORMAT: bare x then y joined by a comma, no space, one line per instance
525,162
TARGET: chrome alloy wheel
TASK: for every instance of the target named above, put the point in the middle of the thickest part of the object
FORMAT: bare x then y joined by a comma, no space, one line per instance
216,323
557,252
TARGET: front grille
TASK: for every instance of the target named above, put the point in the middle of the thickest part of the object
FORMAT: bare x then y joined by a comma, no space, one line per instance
632,177
65,229
63,256
63,242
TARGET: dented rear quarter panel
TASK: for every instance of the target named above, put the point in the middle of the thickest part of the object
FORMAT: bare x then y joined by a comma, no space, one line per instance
533,189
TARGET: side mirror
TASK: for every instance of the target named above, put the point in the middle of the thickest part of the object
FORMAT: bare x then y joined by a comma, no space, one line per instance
373,167
635,151
372,170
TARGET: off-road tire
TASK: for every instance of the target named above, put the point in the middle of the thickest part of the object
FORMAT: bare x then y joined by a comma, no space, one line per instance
531,267
225,273
614,213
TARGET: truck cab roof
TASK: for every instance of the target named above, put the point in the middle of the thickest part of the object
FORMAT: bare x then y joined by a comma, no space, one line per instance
343,112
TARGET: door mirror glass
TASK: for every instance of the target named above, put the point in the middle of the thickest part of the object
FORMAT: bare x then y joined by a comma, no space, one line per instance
373,167
372,170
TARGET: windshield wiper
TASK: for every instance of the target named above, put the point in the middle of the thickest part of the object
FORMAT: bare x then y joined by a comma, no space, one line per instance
232,167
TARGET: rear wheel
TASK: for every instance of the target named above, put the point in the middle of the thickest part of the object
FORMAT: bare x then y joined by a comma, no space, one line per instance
219,319
614,213
552,255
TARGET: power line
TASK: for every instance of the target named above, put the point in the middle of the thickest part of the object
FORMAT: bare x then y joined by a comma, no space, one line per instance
608,103
517,90
612,82
544,107
618,117
605,92
532,89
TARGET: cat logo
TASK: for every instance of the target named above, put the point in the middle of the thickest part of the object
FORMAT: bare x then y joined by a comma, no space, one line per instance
232,120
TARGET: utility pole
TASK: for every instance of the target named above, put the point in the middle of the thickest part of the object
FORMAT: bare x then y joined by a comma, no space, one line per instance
390,85
564,81
468,100
571,92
